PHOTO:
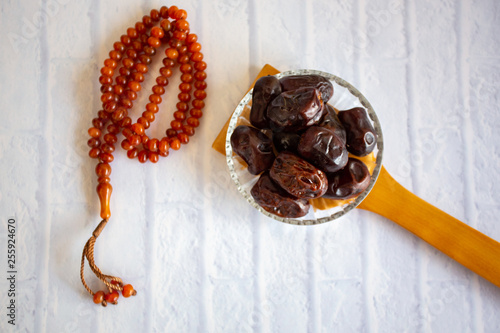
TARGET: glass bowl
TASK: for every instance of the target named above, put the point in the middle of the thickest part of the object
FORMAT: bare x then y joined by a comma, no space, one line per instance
345,97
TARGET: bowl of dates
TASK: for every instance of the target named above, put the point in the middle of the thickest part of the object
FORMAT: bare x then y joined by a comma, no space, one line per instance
304,147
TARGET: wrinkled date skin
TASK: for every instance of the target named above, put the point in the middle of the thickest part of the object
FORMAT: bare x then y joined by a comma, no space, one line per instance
348,182
323,148
265,90
298,177
316,81
361,136
254,147
332,122
277,201
286,141
295,110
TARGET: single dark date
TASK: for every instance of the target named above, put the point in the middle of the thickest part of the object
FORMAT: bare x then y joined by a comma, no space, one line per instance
323,148
265,90
277,201
319,82
295,110
298,177
361,136
254,147
332,122
353,179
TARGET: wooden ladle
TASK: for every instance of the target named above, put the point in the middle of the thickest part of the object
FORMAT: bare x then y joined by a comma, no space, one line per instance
388,198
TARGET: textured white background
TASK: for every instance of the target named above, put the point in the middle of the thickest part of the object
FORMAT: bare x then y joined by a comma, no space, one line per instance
202,259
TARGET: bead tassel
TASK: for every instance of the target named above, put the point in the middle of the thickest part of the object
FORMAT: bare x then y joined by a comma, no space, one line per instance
128,64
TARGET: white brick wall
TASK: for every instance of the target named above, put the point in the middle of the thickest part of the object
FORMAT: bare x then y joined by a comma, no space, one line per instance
202,259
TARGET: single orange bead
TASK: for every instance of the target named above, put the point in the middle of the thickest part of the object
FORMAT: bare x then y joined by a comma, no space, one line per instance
152,107
191,38
202,85
104,192
164,11
115,55
200,75
94,152
137,128
128,290
186,68
184,97
189,130
200,66
110,138
184,58
200,94
185,87
144,139
187,77
99,297
163,145
172,10
132,33
197,56
179,115
175,144
155,15
141,68
171,53
180,14
154,42
111,63
165,72
195,47
93,143
182,24
143,122
162,81
176,125
94,132
153,157
103,170
183,138
158,90
108,148
165,25
192,121
150,116
156,99
106,157
157,32
132,153
179,35
134,140
134,86
128,63
152,145
112,297
143,156
198,104
197,113
126,145
182,106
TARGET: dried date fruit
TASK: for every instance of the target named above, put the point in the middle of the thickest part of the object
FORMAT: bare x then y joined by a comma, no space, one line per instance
265,90
286,141
295,110
323,148
353,179
319,82
277,201
254,147
361,136
332,122
298,177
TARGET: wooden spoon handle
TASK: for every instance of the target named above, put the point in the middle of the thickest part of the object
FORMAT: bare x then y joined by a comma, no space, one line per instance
456,239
